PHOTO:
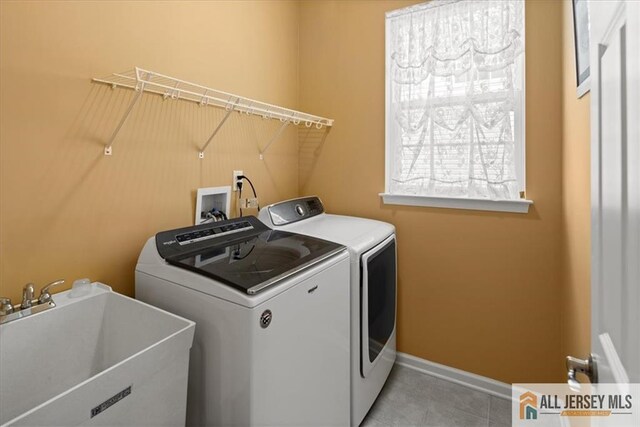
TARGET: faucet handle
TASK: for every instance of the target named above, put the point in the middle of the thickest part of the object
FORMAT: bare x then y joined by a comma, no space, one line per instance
5,306
45,295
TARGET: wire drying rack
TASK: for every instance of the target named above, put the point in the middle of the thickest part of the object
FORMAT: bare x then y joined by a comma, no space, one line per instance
142,80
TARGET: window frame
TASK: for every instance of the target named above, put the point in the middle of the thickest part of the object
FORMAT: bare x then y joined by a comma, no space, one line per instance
498,205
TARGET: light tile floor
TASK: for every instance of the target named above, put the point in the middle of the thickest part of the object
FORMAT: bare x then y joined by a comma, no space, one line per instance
411,398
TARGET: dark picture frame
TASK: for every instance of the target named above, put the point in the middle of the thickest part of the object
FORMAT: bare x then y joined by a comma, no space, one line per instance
581,45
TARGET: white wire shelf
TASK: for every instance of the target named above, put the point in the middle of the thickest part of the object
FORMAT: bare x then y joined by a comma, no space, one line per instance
142,80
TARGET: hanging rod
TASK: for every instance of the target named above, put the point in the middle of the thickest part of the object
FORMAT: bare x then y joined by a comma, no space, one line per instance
143,80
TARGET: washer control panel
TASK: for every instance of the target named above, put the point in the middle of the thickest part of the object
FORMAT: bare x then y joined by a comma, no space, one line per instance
295,210
189,239
211,232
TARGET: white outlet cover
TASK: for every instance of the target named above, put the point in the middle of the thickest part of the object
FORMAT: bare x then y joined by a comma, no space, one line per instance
236,174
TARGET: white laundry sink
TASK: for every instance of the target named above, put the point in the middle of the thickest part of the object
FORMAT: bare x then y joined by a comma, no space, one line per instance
99,359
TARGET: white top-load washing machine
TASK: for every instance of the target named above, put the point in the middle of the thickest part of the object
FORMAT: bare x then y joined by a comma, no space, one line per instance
271,309
372,247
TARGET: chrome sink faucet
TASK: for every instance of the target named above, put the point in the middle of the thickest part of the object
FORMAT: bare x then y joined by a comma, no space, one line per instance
29,304
27,296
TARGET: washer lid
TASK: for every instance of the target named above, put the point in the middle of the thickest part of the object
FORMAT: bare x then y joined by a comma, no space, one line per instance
254,261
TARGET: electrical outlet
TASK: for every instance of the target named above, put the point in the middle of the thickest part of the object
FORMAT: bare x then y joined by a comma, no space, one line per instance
235,181
249,203
252,203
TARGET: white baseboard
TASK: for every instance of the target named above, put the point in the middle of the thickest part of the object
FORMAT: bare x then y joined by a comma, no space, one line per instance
467,379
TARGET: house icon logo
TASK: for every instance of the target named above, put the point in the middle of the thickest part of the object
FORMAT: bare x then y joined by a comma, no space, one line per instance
528,406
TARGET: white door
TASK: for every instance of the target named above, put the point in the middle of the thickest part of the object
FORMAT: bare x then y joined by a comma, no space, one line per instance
615,189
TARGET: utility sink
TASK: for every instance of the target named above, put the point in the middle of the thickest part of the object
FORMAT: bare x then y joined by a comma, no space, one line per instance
98,359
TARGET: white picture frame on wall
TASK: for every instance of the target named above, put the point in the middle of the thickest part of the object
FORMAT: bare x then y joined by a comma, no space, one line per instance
212,199
581,45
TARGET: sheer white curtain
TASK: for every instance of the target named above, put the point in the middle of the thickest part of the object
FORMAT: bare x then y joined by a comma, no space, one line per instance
455,80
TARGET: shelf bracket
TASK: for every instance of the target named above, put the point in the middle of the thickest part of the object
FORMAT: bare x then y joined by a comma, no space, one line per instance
108,148
275,137
215,131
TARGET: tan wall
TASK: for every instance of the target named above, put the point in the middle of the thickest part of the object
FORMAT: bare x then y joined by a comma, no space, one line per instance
477,291
576,218
67,210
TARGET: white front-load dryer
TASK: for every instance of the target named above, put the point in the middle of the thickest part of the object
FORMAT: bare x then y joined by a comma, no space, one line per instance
372,250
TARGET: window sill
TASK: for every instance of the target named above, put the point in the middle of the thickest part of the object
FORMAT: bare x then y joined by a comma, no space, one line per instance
513,206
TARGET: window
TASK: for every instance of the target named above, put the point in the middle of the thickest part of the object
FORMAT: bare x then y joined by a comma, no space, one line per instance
455,105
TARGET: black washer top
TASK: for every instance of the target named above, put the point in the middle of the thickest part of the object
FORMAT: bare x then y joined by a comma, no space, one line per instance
242,252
